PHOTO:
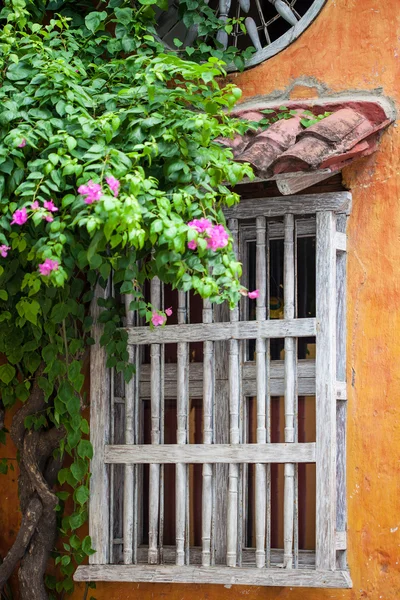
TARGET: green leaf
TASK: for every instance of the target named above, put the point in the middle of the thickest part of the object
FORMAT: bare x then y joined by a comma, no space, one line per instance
85,449
7,373
124,15
87,545
79,469
82,494
94,19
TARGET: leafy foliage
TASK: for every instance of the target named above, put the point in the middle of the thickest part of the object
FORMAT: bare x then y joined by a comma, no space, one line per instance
86,95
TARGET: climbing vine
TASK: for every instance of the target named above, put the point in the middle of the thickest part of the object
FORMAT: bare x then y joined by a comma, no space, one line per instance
108,164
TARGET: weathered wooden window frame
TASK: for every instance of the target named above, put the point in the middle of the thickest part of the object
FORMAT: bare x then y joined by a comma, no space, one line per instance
329,327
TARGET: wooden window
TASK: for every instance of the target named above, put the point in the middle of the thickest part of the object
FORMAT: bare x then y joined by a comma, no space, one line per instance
223,460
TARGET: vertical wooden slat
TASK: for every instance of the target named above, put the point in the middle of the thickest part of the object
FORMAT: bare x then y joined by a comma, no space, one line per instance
326,391
268,404
136,487
341,405
234,433
261,482
290,388
162,467
112,467
129,470
182,399
296,417
154,471
99,507
208,403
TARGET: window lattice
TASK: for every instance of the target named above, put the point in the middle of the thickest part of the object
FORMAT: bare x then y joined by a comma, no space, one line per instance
185,454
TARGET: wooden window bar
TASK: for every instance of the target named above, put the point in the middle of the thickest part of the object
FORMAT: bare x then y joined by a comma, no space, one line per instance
260,378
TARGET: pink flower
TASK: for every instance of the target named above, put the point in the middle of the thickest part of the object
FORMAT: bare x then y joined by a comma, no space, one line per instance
49,205
49,218
113,184
35,205
218,237
201,225
19,217
91,190
48,266
168,311
3,250
157,319
22,144
253,295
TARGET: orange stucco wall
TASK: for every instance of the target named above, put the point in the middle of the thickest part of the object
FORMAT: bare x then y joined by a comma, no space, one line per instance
353,45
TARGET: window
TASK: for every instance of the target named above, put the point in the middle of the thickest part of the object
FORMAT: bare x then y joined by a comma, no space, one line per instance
223,461
271,25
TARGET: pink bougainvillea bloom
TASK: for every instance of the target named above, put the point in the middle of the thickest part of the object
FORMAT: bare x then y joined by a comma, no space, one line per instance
91,190
113,184
48,266
218,237
19,217
35,205
201,225
49,205
157,319
253,295
192,245
22,144
49,218
3,250
168,311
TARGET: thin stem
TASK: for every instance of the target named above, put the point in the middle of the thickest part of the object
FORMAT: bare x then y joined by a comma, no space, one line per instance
64,329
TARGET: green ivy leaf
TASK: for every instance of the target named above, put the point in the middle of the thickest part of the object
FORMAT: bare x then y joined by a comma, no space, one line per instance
7,373
85,449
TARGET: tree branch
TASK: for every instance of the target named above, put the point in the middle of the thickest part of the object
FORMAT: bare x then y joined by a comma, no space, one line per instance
24,536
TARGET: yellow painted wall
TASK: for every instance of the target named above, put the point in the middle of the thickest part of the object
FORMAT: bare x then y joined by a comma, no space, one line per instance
353,45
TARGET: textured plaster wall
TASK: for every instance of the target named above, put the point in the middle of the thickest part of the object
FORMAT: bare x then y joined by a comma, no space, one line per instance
353,45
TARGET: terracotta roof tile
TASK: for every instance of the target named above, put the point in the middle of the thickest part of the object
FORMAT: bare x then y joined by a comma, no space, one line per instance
352,130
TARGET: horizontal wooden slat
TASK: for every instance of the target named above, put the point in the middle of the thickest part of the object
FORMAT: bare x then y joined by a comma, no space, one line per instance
218,575
210,453
305,227
305,384
306,557
202,332
250,208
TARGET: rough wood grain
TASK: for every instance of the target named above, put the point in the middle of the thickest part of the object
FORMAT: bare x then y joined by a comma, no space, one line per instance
182,401
241,330
156,395
326,391
290,389
261,382
100,394
341,392
234,432
306,379
218,575
208,434
250,208
306,557
128,520
210,453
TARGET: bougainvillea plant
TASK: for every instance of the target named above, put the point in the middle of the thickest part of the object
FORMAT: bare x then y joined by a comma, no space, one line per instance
108,164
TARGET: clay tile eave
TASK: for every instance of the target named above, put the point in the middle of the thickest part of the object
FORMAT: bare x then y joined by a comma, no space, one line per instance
351,131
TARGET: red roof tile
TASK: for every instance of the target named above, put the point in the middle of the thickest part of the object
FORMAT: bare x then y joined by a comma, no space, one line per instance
351,131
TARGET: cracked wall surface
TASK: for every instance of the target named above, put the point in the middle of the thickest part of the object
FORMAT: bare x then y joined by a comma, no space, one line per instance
353,45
